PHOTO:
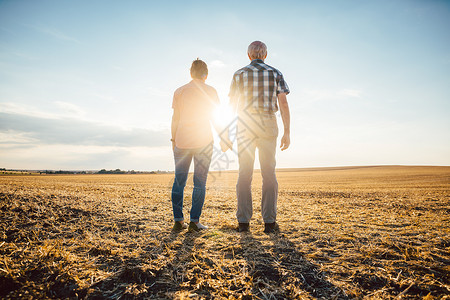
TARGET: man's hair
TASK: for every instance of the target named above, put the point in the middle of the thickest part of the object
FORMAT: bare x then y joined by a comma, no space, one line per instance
199,69
257,50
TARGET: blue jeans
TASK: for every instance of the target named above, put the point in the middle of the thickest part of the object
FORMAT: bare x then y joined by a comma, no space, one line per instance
202,160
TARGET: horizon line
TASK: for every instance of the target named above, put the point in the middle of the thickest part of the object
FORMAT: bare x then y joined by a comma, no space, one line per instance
225,171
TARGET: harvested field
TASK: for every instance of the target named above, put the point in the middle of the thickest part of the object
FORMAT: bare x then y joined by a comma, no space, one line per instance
346,233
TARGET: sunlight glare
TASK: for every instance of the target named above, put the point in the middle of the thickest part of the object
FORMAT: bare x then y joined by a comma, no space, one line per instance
223,115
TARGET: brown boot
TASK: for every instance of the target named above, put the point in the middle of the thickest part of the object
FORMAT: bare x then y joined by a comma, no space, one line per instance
271,227
243,227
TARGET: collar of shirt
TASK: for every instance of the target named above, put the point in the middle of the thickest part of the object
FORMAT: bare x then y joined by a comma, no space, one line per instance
257,61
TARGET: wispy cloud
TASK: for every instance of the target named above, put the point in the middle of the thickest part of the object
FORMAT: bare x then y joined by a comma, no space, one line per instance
23,55
25,110
63,110
316,95
80,157
71,131
70,109
216,64
55,33
30,138
158,92
117,68
103,97
352,93
12,137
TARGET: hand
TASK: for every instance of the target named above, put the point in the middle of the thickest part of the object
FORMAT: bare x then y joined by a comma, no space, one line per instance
285,141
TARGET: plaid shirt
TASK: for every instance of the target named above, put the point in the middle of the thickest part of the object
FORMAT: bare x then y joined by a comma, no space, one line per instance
256,87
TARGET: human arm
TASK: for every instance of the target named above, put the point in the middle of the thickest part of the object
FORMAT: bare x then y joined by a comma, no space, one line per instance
174,127
225,143
234,104
286,117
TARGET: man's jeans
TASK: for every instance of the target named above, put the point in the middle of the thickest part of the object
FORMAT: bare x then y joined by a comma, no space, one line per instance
257,131
183,158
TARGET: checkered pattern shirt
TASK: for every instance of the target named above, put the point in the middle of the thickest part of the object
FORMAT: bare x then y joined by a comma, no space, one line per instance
256,87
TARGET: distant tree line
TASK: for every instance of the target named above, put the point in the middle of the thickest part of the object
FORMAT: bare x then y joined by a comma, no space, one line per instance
62,172
102,171
116,171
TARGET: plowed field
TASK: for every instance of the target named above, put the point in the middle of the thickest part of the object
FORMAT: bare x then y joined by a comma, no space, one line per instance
346,233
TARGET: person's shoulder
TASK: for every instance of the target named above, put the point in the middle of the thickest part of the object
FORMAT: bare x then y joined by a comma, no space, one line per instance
181,89
241,70
210,88
269,67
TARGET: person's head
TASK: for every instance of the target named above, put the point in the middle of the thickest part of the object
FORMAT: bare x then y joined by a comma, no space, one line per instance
257,50
199,69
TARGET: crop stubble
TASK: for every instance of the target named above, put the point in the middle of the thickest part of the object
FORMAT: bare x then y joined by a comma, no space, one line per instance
369,232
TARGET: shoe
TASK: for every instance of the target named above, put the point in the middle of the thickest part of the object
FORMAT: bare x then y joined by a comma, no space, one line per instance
179,226
271,227
243,227
196,227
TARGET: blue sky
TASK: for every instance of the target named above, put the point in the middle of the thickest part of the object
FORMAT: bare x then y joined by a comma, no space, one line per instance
89,84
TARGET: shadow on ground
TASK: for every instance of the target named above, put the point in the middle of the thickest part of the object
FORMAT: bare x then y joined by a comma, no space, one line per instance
280,271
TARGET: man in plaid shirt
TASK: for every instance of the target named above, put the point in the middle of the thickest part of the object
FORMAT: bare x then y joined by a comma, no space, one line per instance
254,92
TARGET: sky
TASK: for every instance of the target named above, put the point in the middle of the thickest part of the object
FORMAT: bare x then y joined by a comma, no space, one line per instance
88,85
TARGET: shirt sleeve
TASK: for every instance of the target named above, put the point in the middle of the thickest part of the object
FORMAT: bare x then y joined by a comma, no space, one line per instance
233,87
282,86
174,101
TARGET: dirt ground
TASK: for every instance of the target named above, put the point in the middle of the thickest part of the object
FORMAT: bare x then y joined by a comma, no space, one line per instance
346,233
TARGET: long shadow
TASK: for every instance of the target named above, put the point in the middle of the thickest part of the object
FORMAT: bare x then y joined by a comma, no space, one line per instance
156,276
262,268
176,269
279,270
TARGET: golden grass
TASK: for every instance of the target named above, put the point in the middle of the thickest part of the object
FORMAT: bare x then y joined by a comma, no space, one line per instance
369,232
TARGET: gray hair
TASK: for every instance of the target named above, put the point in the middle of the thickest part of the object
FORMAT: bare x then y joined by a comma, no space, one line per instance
257,50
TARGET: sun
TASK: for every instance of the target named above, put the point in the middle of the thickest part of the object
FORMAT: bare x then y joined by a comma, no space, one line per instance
223,115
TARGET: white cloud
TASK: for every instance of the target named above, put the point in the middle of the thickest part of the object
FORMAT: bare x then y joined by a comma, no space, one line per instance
318,94
325,94
118,68
80,157
55,33
216,51
350,93
70,109
216,64
158,92
23,55
64,110
71,131
103,97
26,110
13,137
